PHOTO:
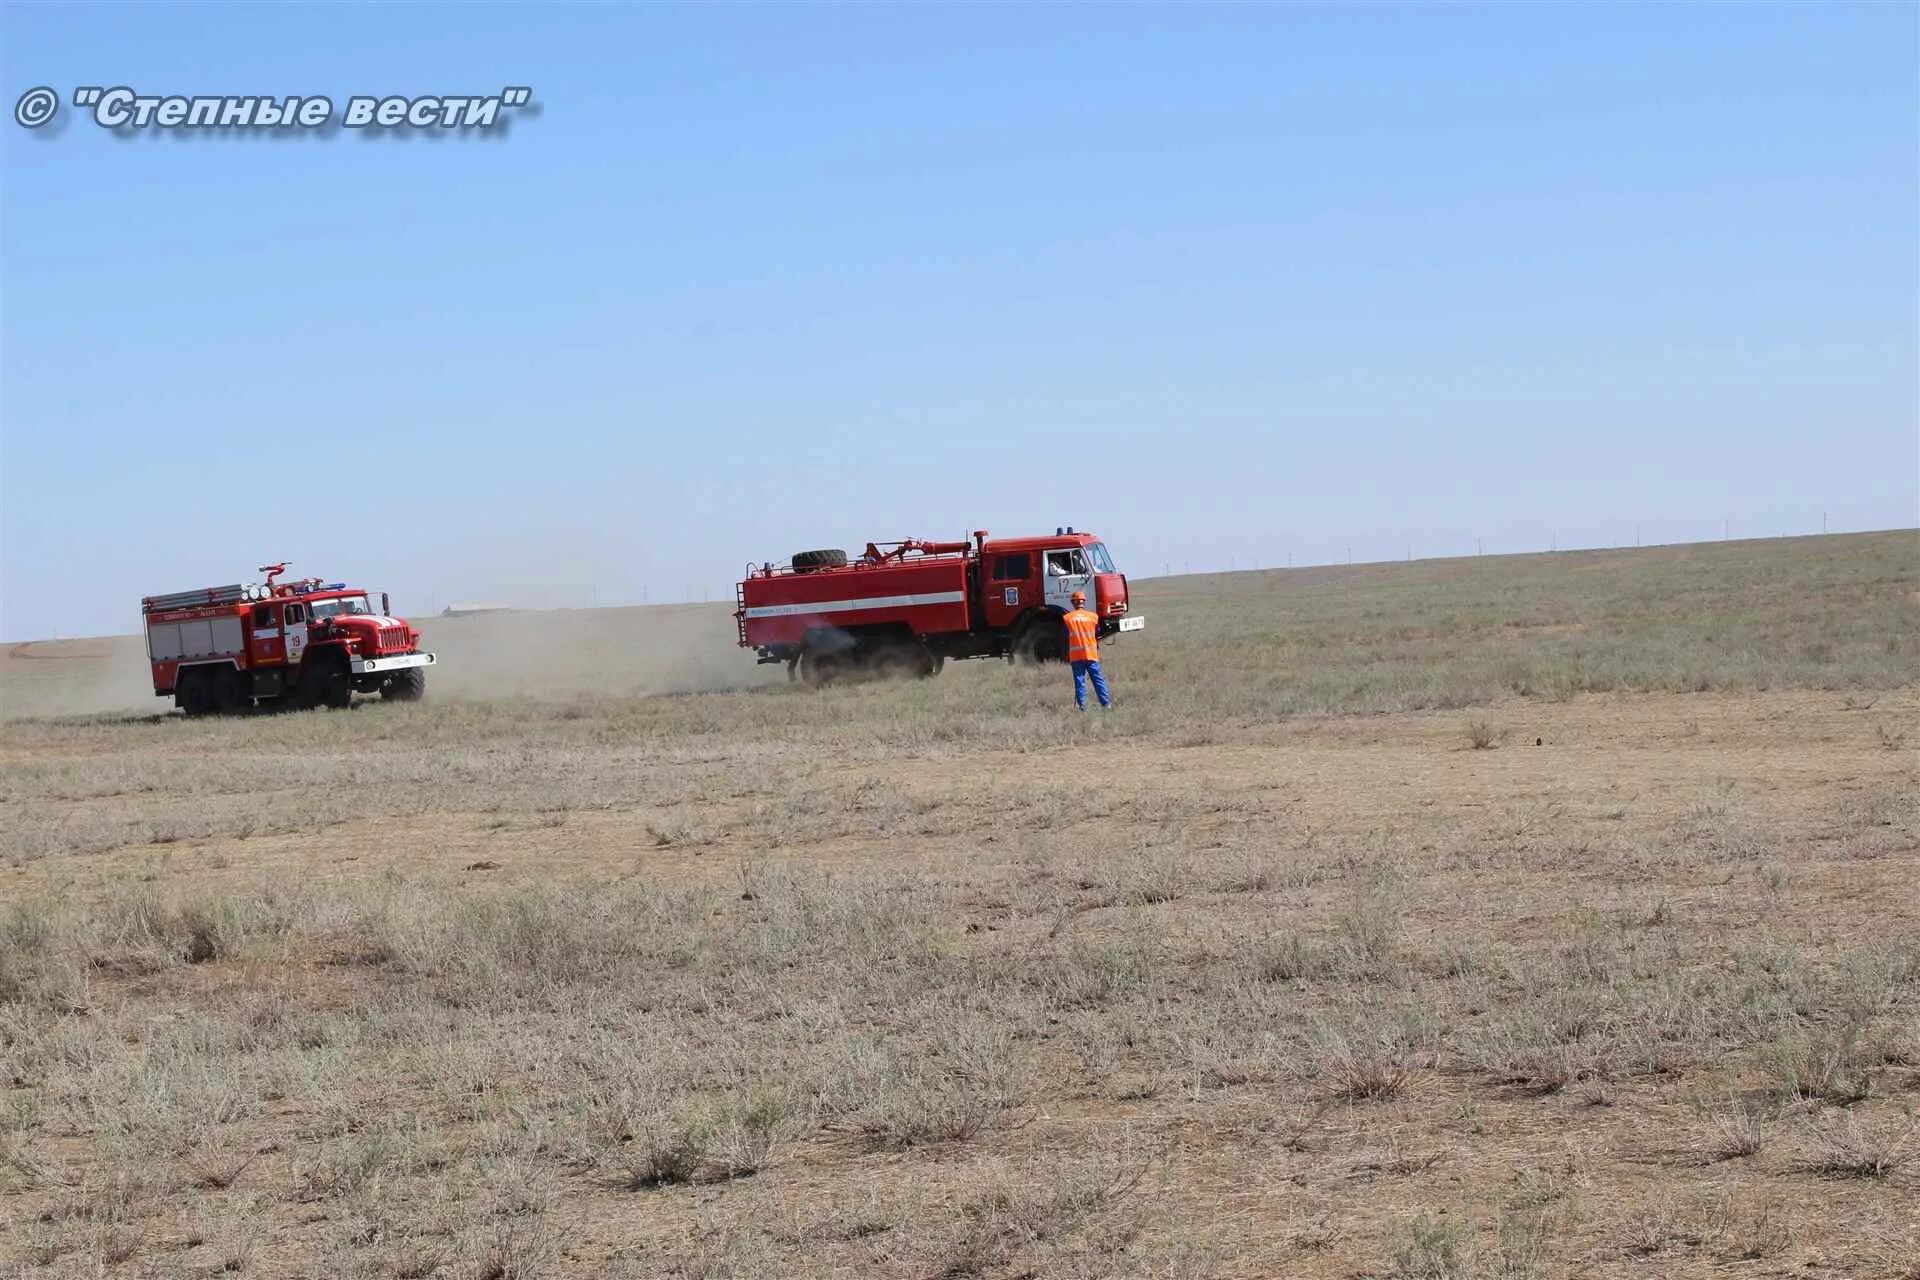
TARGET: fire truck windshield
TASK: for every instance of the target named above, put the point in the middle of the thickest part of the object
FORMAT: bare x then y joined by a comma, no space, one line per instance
340,605
1102,562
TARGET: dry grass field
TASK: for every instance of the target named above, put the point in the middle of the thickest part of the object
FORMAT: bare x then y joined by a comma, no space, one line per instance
1538,917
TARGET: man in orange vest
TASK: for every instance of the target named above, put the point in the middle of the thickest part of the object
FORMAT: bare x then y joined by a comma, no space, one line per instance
1083,651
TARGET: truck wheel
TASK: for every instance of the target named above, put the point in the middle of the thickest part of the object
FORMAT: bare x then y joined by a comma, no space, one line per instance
808,561
192,693
328,681
818,668
409,685
1043,639
922,663
902,660
228,695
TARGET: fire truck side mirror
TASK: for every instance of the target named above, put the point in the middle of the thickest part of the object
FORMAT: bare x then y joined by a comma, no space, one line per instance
385,608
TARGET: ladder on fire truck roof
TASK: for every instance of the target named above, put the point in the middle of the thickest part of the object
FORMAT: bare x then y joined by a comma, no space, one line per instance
233,594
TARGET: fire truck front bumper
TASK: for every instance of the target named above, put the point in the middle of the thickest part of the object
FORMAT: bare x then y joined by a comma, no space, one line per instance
379,666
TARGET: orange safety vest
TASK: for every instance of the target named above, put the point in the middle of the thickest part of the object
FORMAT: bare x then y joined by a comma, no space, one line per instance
1083,636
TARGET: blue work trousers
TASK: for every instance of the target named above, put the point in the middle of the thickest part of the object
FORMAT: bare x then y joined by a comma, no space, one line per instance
1081,670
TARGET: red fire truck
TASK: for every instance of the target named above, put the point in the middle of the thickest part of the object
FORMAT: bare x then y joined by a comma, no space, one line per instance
306,643
904,608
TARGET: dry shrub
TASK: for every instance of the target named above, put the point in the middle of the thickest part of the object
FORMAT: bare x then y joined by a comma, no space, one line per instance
1851,1146
1653,1226
1759,1232
932,1107
1008,1215
1523,1241
1367,929
357,1164
1264,869
1525,1052
1735,1130
745,1139
1364,1064
105,1219
149,929
1431,1249
1282,958
515,1248
1099,974
949,1089
1824,1064
1151,875
42,964
662,1145
214,1170
665,1150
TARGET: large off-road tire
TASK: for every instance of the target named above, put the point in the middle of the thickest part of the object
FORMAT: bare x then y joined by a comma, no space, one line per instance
892,660
409,685
819,667
1043,639
902,660
229,691
193,691
328,681
808,561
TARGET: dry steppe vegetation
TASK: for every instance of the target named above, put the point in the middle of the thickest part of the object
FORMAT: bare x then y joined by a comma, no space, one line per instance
1534,917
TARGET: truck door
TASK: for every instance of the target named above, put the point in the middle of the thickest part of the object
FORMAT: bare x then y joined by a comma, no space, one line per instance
1009,589
296,632
265,643
1067,571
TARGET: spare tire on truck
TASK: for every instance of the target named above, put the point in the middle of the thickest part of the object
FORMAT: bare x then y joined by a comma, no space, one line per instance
808,561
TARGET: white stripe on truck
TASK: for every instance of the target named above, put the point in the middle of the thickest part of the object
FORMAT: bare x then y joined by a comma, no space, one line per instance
849,606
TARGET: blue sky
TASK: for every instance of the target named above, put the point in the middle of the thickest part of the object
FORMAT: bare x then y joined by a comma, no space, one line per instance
1227,285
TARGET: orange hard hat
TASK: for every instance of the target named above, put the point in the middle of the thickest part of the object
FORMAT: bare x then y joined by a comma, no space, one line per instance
1079,597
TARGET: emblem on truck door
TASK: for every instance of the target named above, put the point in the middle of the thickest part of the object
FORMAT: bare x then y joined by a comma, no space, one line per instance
1013,595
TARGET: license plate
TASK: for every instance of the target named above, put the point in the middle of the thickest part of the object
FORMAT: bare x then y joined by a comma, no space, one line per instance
1133,624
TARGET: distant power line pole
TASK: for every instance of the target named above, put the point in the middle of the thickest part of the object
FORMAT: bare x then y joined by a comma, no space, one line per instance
1479,548
1823,522
1636,534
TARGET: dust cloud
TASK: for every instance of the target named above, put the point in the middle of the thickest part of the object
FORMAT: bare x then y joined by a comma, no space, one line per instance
558,654
568,653
76,677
